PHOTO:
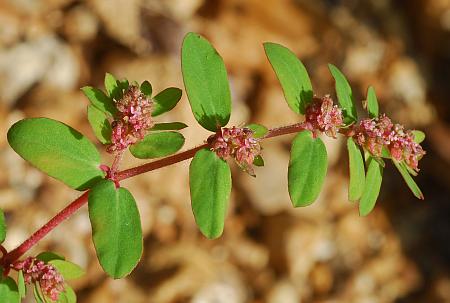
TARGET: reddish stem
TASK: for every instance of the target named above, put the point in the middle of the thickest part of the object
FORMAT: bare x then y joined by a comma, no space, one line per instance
44,230
13,255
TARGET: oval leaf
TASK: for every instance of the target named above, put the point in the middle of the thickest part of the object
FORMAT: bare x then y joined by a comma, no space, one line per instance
58,150
100,100
8,291
68,269
292,75
356,165
166,100
409,180
210,187
100,124
372,103
2,227
259,130
112,87
307,169
156,145
116,228
146,88
168,126
371,188
206,83
344,95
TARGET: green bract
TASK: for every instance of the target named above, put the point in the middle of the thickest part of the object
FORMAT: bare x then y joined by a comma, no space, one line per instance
210,186
156,145
372,103
100,100
307,168
166,100
344,95
68,296
408,179
146,88
68,269
356,167
58,150
419,136
116,228
259,130
112,87
206,83
292,75
372,187
100,124
8,291
21,287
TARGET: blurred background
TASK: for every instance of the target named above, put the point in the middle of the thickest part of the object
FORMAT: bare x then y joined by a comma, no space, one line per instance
269,252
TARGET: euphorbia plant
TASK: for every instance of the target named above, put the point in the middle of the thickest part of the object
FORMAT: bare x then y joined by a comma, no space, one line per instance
126,118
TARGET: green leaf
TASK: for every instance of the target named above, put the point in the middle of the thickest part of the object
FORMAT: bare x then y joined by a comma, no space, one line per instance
259,161
21,284
100,124
166,100
409,180
100,100
2,227
68,296
48,256
210,186
371,188
372,102
146,88
344,94
168,126
307,169
8,291
206,83
112,87
419,136
259,130
58,150
156,145
68,269
356,167
292,75
116,228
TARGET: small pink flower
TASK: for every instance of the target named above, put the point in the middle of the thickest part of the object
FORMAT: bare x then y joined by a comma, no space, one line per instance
374,134
238,143
36,271
132,121
322,115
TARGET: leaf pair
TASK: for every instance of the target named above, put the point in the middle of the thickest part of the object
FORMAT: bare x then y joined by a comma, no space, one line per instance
362,187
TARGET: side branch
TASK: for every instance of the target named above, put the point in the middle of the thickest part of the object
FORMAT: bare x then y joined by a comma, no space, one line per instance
15,254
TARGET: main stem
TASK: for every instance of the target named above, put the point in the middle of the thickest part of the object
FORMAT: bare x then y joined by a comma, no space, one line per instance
15,254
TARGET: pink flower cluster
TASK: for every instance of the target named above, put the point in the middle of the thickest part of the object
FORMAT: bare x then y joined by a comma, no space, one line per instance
374,134
322,115
36,271
238,143
132,121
